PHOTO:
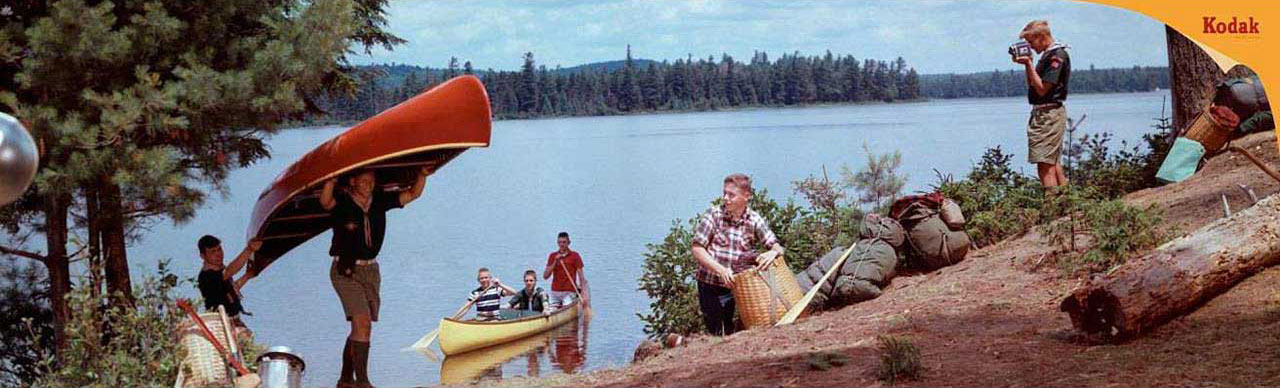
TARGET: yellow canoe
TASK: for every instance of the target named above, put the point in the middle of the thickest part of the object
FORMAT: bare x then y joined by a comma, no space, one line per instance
471,366
458,336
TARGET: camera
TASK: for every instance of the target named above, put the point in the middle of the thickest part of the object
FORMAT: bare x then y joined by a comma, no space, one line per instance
1020,49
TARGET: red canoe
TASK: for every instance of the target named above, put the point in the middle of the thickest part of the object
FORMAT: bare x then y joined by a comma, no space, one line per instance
429,129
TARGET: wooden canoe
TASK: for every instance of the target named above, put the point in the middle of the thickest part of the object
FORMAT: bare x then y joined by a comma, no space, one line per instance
428,130
459,336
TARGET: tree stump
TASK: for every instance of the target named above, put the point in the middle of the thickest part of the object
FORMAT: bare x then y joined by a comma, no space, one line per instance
1179,276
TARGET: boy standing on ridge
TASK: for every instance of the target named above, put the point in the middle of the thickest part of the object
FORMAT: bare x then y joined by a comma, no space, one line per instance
1046,92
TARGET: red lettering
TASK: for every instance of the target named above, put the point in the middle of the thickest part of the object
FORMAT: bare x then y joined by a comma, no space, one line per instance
1208,24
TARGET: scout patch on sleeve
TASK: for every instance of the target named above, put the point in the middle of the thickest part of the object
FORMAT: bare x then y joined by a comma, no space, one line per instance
1055,63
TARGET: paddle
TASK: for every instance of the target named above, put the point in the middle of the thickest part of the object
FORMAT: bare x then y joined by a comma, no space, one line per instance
803,304
208,334
587,309
426,340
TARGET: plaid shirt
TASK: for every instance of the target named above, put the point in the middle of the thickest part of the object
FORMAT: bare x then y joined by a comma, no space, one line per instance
731,242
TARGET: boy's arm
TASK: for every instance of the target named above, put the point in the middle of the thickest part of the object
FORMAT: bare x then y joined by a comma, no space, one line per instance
326,194
240,260
415,191
506,290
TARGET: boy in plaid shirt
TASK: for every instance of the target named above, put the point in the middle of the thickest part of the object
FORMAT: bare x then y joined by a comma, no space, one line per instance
724,244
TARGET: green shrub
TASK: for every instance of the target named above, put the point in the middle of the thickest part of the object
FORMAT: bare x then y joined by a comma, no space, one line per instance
899,359
998,202
807,233
1116,231
123,347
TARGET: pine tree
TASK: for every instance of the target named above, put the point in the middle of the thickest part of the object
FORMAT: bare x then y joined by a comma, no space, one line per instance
141,106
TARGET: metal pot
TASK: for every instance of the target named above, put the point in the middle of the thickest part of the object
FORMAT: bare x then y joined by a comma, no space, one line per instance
280,368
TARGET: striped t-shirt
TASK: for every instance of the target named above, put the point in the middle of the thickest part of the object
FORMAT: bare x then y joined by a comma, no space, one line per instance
487,304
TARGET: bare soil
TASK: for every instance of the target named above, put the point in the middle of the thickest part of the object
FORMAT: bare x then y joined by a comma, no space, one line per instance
993,320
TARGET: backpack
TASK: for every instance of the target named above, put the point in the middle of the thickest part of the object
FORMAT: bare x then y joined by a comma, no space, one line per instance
931,242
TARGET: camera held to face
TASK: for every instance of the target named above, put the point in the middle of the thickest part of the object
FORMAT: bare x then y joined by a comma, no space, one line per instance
1020,49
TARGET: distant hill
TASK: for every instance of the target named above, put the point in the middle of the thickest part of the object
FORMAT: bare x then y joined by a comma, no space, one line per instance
607,66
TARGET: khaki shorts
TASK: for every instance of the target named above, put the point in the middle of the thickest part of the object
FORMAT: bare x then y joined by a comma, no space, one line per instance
358,293
1044,135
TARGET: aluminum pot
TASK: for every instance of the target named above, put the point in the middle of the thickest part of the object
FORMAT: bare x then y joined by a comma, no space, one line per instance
280,368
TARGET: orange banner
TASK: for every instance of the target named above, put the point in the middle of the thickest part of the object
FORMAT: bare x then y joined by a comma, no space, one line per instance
1231,31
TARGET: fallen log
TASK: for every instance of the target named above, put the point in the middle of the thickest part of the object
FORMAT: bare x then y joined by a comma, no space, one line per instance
1179,276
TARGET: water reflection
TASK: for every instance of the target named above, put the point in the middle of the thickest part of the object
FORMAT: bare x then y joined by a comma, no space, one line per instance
559,350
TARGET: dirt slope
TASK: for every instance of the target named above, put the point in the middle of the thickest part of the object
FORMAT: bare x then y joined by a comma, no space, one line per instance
993,320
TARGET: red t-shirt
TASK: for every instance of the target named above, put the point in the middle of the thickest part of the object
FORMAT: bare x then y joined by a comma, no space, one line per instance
560,280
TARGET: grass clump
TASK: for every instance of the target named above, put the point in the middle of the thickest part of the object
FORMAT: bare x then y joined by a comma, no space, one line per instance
826,360
899,359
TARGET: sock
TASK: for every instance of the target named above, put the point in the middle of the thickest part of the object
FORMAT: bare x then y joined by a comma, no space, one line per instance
348,358
361,350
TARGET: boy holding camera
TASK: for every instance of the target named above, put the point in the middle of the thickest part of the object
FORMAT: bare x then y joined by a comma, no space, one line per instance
1046,91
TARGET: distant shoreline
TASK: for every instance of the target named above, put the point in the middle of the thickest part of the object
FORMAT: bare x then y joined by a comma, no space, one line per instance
310,126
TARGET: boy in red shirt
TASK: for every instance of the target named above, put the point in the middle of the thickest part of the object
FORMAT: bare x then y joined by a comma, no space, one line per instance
569,278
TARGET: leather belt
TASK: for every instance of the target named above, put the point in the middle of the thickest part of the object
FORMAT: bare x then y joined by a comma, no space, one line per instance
360,262
1050,105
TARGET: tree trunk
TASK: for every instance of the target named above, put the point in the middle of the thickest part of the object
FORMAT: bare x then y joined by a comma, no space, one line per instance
58,267
1192,77
95,242
1179,276
111,224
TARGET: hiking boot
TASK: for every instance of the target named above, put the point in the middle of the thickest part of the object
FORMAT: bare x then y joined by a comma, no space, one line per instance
346,384
363,384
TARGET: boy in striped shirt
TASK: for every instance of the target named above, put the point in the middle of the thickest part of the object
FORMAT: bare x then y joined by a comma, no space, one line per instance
488,297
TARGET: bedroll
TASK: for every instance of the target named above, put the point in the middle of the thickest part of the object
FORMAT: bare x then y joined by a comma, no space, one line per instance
869,267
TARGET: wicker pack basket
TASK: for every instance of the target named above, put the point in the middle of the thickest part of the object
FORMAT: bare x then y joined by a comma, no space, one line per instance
201,364
763,297
1206,131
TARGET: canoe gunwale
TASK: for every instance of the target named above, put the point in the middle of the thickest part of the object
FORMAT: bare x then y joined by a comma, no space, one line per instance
311,185
563,310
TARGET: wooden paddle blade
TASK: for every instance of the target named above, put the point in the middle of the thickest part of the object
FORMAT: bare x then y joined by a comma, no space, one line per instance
426,340
799,308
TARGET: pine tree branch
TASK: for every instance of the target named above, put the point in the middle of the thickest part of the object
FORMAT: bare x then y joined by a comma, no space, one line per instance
22,253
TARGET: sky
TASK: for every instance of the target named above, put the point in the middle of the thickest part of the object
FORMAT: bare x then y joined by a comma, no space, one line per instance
933,36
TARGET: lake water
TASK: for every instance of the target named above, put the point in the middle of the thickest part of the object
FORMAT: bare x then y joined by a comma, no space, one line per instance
614,183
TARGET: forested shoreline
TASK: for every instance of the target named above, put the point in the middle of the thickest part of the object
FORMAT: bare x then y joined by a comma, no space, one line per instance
701,84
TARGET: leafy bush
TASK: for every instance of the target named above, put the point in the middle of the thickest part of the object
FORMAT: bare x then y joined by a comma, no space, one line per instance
997,201
899,359
669,267
1000,202
122,347
26,321
1116,231
806,232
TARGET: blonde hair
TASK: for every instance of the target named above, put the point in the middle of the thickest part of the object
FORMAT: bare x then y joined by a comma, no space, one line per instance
1036,28
741,181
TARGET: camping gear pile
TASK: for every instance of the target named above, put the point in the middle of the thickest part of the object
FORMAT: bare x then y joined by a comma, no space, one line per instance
1239,107
928,229
762,296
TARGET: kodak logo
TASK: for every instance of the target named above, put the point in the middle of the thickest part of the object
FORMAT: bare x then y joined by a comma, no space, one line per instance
1236,26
